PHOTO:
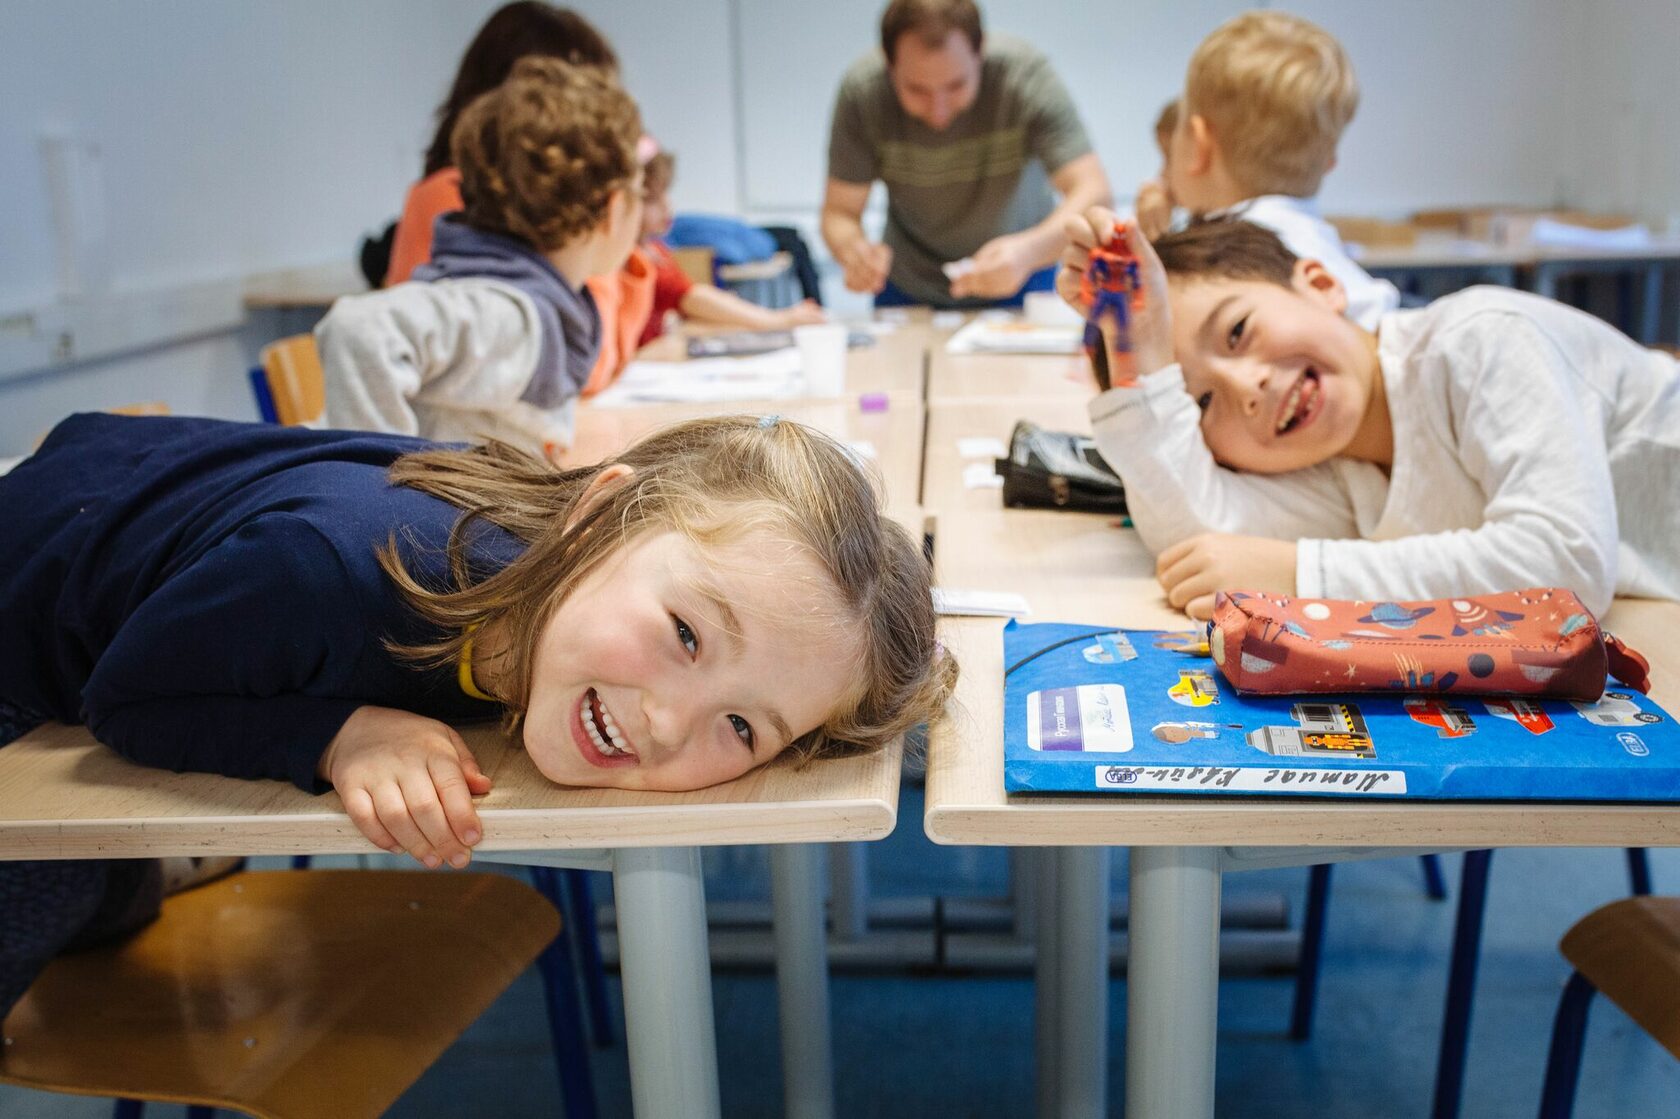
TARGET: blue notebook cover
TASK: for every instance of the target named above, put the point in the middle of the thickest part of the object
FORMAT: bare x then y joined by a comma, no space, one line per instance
1127,711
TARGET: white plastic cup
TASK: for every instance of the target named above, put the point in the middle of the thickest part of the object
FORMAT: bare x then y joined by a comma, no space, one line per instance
822,357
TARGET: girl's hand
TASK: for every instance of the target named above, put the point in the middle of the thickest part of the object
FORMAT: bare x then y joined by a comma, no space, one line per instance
407,782
1151,320
1192,570
804,313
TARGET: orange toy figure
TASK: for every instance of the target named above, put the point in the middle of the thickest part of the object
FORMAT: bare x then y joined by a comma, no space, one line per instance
1110,288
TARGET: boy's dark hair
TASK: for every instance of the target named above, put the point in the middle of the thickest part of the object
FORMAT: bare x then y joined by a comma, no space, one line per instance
1226,248
525,27
931,21
540,154
1166,124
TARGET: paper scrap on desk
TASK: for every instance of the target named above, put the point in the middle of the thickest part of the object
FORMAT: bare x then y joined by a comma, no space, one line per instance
954,602
1014,336
946,320
771,376
981,446
981,476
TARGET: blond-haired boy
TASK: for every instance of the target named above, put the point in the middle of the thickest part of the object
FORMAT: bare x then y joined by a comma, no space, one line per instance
1266,98
495,337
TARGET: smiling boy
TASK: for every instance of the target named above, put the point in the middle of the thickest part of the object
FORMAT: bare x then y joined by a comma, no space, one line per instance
1490,441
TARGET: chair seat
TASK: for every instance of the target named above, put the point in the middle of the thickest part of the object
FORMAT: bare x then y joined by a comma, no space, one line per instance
283,994
1630,951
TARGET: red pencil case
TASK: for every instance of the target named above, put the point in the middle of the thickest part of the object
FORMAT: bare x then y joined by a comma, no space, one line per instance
1537,642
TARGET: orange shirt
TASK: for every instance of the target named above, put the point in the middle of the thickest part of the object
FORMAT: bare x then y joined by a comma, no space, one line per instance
623,298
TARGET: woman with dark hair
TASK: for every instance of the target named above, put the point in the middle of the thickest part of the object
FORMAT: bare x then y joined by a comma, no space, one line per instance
513,31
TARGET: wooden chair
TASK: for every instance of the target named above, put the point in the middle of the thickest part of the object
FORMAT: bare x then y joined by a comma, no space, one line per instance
1629,950
291,369
280,994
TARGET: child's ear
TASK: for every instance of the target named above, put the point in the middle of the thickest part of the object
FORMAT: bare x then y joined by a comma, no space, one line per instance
1317,283
1200,155
605,479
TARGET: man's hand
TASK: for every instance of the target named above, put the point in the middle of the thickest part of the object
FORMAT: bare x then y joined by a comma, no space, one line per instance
1192,570
1154,208
867,265
1151,319
1001,266
407,782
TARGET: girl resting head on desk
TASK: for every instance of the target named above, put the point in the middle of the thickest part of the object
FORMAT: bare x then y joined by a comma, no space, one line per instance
313,605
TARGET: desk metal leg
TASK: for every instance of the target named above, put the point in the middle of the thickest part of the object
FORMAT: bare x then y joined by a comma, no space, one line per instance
1172,982
1461,985
667,972
1041,861
796,883
1650,305
1081,991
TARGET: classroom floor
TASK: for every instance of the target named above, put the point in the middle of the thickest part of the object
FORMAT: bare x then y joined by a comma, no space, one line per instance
933,1045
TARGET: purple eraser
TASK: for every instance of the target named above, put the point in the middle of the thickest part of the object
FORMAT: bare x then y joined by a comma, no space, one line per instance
873,402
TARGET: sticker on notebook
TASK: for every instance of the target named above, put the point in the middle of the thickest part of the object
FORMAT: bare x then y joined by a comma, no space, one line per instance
1614,709
1321,730
1190,642
1090,717
1195,688
1527,714
1250,779
1176,733
1111,648
1448,719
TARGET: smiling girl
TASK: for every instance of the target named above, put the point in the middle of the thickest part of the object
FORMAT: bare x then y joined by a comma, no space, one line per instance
315,606
1490,441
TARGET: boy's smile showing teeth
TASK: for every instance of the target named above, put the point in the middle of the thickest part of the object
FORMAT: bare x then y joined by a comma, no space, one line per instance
1301,405
598,723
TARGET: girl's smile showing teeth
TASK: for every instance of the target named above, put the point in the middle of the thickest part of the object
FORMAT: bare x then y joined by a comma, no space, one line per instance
1301,405
612,746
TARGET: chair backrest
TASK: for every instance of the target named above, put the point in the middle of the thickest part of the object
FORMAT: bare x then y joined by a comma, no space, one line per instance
1630,951
292,367
696,262
311,994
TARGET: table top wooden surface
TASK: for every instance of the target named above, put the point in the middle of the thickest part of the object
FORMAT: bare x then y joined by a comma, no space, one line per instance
945,488
1078,568
1037,376
1460,252
314,286
62,795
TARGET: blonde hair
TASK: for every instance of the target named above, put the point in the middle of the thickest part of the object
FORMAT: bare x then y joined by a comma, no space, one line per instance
541,154
1277,91
711,479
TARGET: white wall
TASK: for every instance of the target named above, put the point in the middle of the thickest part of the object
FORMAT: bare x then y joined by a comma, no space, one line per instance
234,137
1630,112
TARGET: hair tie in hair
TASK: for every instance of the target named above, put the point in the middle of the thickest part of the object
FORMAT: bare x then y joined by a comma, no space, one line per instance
765,423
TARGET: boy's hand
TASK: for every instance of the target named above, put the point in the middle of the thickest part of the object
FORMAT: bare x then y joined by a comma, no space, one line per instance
1151,325
1001,266
804,313
1154,208
1192,570
867,266
407,782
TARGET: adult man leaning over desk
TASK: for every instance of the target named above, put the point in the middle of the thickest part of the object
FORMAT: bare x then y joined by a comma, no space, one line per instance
963,130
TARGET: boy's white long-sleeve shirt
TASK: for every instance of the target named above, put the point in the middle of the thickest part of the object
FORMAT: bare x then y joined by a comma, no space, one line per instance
445,360
1533,446
1305,233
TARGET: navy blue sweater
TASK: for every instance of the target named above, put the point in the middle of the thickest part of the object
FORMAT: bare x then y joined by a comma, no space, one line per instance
205,595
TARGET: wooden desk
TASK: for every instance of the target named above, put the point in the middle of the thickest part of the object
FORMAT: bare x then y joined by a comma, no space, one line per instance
64,796
894,435
1077,568
313,287
943,488
1038,376
895,364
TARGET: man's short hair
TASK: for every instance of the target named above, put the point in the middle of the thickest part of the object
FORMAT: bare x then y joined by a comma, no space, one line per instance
1277,91
1226,248
931,21
541,154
